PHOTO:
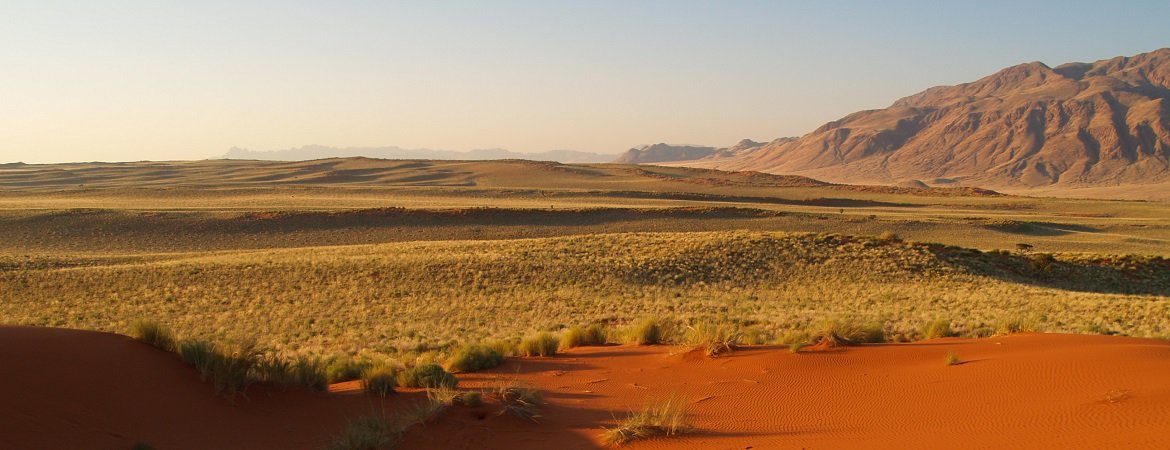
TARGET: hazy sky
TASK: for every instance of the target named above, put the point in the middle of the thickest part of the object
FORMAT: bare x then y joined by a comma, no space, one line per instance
131,80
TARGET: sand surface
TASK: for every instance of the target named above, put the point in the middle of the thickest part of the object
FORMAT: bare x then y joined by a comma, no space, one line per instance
79,389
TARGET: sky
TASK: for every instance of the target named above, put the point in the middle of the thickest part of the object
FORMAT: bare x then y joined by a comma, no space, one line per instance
164,80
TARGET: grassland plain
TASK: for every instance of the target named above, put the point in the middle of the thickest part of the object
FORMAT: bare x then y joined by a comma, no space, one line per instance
416,295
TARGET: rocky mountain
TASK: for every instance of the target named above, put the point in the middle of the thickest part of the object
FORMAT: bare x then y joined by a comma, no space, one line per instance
660,152
1029,126
310,152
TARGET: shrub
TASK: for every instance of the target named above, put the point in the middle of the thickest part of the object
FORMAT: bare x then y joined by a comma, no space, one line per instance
953,359
938,328
665,418
581,336
345,369
504,347
543,344
519,400
1012,326
714,339
153,333
1041,262
889,236
427,376
754,336
365,433
379,380
471,358
648,331
795,347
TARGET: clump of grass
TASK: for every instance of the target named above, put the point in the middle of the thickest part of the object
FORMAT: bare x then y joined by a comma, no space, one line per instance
365,433
714,339
427,376
542,344
578,336
889,236
795,347
754,336
953,359
665,418
836,333
345,369
938,328
230,369
648,331
471,398
1016,325
380,380
518,399
153,333
299,371
471,358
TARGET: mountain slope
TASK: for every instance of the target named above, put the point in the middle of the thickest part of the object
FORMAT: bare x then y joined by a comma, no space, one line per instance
1028,126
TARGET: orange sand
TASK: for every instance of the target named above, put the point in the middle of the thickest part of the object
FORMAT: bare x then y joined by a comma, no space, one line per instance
77,389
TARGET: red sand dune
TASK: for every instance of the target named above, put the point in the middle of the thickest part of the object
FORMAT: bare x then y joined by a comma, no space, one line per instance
76,389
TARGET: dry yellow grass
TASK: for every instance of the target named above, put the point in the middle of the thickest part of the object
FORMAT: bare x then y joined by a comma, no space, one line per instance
404,296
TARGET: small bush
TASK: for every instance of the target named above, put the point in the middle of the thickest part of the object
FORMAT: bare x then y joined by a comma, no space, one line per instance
471,358
953,359
380,380
504,347
581,336
365,433
795,347
519,400
345,369
665,418
543,344
427,376
714,339
230,370
889,236
938,328
153,333
648,331
1041,262
1013,326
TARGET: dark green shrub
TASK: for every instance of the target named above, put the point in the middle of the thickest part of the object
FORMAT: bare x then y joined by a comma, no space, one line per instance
427,376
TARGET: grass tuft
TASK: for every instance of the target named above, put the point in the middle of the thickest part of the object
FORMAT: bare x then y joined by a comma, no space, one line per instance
665,418
153,333
578,336
380,380
542,344
953,359
365,433
472,358
648,331
517,399
938,328
714,339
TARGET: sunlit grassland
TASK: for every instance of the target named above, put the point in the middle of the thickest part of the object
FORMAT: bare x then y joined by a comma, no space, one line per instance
412,295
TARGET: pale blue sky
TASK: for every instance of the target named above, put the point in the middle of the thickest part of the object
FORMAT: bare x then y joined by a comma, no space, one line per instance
130,80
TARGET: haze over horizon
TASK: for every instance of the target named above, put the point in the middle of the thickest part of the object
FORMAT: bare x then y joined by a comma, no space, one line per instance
136,80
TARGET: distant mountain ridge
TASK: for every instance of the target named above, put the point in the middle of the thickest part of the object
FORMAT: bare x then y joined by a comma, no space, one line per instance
310,152
1028,126
660,153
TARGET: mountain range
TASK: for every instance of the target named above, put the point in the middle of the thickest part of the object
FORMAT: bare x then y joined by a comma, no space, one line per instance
1026,127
